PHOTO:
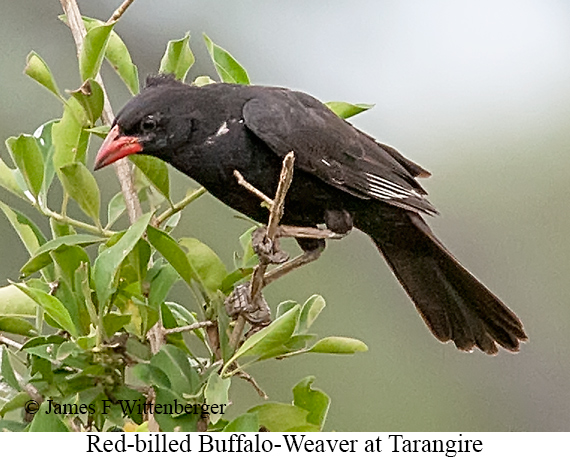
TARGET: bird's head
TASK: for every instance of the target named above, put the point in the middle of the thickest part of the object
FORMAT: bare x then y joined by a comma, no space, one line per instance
152,123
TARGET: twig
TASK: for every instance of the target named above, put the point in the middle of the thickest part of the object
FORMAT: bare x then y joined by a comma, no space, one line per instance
122,168
247,377
274,217
79,224
179,206
237,331
276,212
188,328
242,182
120,11
9,342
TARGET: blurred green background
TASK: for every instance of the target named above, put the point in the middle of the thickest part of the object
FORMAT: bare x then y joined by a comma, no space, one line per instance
478,92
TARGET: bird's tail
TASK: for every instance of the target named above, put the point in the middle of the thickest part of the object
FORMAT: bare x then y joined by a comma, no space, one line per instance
453,303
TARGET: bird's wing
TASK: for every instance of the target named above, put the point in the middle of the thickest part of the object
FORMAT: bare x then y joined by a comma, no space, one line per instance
333,150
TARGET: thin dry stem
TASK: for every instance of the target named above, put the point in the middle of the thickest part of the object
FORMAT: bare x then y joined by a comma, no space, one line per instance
188,328
276,212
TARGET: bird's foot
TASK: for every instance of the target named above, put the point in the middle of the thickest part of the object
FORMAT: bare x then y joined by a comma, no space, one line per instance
256,312
267,250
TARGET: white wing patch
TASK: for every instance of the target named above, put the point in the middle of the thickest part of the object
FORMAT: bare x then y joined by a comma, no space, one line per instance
388,190
223,129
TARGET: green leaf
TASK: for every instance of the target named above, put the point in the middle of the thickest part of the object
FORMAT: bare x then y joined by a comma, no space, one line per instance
28,232
249,257
310,311
184,379
15,303
216,393
114,322
151,375
93,50
200,263
248,422
9,182
17,326
280,417
285,306
44,422
69,139
229,70
270,338
90,96
52,306
80,184
101,131
42,256
108,262
162,281
29,160
338,345
83,289
37,69
210,271
118,56
178,58
17,402
115,208
170,250
7,371
313,400
155,170
171,423
345,110
44,137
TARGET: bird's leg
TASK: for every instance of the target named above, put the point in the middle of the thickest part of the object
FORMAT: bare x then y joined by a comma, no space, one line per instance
306,257
311,240
256,312
268,251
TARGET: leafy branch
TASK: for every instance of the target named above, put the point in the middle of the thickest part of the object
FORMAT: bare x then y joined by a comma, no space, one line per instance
90,320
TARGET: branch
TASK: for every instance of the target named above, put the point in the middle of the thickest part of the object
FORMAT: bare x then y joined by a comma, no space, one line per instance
188,328
179,206
274,217
276,212
122,168
120,11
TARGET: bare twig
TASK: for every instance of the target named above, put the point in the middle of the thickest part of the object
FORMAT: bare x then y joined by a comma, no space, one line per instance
237,331
122,168
156,336
288,231
274,217
179,206
188,328
120,11
247,377
9,342
242,182
276,212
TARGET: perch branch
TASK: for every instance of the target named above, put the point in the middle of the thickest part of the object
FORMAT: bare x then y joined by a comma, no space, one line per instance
276,212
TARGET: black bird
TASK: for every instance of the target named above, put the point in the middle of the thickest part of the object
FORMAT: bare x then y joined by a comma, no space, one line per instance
343,178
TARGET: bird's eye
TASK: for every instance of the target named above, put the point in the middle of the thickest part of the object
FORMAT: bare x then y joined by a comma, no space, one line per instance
148,124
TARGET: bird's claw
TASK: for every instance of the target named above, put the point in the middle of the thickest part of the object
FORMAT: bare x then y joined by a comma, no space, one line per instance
268,251
239,302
